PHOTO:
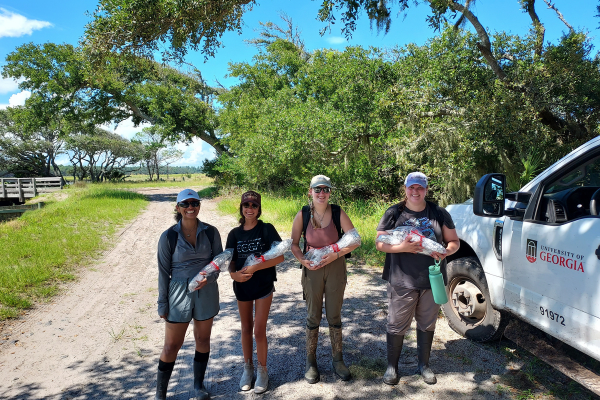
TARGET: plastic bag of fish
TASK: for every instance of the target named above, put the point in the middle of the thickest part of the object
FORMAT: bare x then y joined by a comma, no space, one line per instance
398,235
277,249
349,238
220,262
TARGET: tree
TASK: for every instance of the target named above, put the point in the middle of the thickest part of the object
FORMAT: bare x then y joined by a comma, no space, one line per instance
157,152
138,27
101,155
63,81
25,152
538,77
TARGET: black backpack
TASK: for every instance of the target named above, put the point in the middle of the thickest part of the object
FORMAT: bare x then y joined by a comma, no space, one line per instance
336,212
172,237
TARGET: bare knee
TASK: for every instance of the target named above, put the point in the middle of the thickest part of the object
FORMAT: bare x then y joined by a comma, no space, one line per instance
260,332
247,329
171,348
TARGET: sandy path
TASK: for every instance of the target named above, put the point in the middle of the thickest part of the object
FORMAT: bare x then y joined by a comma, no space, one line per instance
102,337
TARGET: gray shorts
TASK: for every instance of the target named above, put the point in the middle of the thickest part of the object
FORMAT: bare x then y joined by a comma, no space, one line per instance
201,304
404,304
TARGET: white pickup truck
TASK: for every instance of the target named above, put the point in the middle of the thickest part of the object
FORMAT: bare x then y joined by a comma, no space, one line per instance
532,254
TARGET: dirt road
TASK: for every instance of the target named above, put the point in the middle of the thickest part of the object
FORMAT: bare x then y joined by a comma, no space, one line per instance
102,337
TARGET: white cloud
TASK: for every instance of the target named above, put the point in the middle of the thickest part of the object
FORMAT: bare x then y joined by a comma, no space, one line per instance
15,25
125,128
4,106
335,40
8,85
195,153
18,99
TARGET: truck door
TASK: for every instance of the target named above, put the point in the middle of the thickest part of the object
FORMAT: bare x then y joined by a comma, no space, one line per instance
551,257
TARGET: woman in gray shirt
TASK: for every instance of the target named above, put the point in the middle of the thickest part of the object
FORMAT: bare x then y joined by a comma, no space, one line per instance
183,250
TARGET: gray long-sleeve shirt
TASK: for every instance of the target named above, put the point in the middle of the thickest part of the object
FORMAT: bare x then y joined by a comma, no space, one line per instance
186,261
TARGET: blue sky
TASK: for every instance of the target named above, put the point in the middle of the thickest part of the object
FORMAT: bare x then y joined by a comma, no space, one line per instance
64,22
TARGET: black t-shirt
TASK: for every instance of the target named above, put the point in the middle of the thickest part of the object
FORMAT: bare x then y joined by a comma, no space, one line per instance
244,243
409,270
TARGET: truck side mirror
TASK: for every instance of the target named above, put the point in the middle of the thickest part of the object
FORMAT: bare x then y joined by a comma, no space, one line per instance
488,200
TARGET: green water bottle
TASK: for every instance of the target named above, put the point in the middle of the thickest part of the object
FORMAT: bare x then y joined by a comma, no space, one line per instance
437,284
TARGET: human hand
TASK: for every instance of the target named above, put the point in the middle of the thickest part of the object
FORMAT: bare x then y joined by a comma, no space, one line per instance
308,264
164,316
410,247
438,256
201,283
240,276
327,259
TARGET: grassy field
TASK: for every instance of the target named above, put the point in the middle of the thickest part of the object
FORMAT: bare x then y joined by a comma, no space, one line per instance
281,210
175,180
42,248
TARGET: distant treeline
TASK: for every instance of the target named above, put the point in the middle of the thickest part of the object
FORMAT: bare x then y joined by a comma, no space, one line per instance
67,170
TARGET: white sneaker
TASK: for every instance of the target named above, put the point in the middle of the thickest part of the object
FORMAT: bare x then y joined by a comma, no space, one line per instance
247,376
262,379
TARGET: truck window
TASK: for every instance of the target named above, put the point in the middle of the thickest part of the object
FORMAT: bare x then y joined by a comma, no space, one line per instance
568,196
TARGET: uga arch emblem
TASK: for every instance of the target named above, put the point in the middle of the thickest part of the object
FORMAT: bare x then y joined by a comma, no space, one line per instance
531,250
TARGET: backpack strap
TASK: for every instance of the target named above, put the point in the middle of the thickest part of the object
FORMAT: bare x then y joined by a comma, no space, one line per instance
172,237
305,221
336,212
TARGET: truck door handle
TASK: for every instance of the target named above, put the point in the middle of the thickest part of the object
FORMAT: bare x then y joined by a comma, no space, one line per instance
497,239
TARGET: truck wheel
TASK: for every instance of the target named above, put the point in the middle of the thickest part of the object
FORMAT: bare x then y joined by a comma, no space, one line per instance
469,310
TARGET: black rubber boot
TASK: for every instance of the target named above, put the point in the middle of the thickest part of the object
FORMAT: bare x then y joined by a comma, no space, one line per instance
312,371
200,393
424,342
162,381
394,348
335,334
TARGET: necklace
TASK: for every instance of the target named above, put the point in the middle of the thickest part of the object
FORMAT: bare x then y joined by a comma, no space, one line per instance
323,216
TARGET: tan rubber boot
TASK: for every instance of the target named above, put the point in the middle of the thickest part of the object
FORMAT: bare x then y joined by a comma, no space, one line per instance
312,371
247,376
336,350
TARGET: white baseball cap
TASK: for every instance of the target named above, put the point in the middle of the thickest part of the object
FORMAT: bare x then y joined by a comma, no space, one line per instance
187,194
416,178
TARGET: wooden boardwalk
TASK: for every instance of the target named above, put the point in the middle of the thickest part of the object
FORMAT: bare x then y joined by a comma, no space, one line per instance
26,188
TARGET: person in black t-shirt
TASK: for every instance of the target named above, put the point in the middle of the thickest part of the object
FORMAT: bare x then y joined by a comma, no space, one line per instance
253,286
407,273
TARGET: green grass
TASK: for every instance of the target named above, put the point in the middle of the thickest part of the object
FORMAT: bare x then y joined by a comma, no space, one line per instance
280,211
43,247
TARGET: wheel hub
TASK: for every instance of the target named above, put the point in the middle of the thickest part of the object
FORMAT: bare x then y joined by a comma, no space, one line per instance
468,301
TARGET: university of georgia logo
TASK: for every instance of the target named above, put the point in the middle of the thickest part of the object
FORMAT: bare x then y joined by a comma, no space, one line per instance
531,250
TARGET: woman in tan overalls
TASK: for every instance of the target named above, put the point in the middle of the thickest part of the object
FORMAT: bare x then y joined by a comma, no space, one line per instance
322,224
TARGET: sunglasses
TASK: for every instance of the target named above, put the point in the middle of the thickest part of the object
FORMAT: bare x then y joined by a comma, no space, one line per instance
186,204
324,190
248,205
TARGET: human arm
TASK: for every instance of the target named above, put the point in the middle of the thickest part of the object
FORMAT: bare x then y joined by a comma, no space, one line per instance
263,265
271,236
452,243
296,234
238,276
164,275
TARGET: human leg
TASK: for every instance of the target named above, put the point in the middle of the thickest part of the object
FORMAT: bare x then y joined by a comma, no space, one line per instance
426,315
246,309
335,286
313,286
174,336
202,330
261,316
401,307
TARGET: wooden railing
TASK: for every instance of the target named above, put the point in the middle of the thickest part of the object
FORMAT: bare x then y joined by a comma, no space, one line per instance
24,188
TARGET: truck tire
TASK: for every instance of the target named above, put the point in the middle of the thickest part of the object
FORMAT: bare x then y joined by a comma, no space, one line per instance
469,311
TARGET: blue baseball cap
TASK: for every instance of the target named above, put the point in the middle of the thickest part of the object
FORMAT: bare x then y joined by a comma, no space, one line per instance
416,178
187,194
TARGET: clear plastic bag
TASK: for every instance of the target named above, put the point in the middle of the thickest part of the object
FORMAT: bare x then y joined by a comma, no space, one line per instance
277,249
220,262
349,238
398,235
